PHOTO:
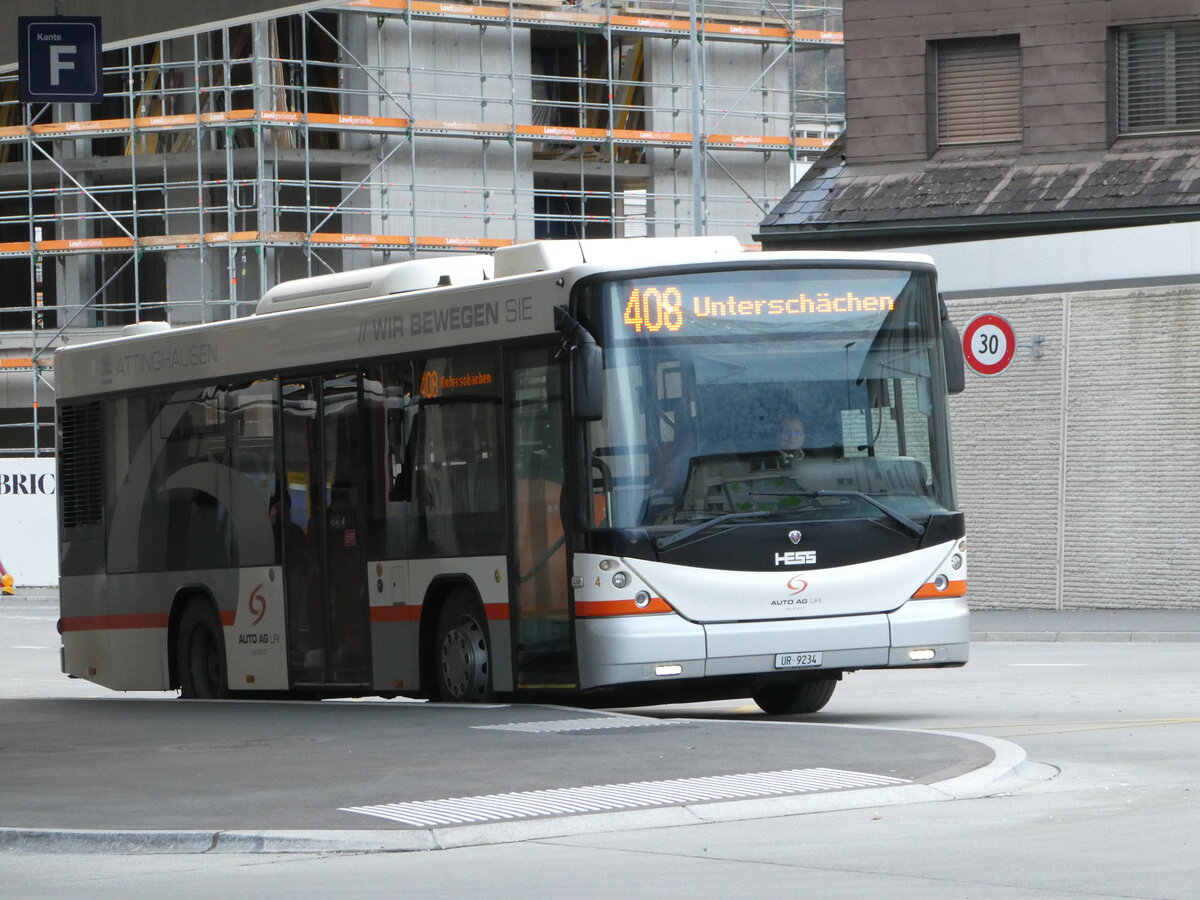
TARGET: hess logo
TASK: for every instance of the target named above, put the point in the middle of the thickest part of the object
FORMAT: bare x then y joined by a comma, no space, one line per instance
796,558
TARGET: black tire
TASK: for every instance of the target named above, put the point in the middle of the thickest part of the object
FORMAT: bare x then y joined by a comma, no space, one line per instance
796,698
462,653
200,654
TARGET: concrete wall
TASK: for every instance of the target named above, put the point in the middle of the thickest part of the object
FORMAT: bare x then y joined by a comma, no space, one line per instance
1077,470
736,100
460,186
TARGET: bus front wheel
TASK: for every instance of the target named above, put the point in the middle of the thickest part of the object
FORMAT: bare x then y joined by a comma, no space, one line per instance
200,654
805,696
463,671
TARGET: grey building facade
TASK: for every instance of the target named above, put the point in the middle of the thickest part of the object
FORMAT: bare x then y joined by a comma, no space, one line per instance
1046,156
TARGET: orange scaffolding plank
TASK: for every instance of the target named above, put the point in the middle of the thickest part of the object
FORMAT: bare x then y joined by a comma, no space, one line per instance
428,128
89,127
638,23
437,243
371,122
216,238
385,241
109,243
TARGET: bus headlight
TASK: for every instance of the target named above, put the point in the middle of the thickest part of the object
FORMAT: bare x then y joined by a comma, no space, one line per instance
620,579
641,599
956,562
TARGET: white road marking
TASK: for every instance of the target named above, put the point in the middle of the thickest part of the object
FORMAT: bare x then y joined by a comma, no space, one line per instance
610,797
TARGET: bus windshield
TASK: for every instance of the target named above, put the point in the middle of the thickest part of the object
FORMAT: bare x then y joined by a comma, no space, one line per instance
768,393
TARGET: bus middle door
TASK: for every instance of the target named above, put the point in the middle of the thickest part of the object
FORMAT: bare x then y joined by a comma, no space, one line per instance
325,564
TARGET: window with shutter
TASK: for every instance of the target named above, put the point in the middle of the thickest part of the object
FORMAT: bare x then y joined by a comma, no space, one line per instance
1158,79
978,90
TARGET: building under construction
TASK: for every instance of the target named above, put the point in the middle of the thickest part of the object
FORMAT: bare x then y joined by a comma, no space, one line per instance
228,159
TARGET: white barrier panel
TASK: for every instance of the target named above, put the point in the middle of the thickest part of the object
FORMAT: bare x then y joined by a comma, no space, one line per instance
29,521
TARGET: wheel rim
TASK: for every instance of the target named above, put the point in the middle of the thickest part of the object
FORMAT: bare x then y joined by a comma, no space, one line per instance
464,661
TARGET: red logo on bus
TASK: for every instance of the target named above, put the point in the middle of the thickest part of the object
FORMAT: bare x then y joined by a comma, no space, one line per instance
797,585
258,605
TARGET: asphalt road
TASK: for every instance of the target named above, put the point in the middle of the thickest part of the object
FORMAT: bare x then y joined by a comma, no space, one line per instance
1107,806
100,770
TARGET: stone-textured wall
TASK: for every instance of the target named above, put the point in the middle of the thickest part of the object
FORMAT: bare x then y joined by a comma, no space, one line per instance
1078,470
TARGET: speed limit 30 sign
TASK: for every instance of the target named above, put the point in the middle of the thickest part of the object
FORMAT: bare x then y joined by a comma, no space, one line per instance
989,343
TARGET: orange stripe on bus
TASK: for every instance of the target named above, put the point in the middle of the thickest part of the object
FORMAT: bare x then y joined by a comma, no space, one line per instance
495,612
395,614
115,622
953,589
588,609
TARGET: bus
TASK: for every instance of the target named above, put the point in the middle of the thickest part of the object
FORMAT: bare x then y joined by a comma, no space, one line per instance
616,472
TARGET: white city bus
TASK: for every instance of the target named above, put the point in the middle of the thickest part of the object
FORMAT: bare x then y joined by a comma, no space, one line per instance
612,471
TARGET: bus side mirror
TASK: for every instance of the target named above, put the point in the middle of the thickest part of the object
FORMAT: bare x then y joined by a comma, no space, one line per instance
587,367
587,381
956,376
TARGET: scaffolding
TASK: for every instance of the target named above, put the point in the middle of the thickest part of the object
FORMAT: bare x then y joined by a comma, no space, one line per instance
224,162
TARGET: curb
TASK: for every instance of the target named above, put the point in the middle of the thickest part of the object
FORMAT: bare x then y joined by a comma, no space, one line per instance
1147,637
1007,772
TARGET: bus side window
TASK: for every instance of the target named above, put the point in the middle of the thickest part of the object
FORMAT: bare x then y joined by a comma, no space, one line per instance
401,413
455,456
392,407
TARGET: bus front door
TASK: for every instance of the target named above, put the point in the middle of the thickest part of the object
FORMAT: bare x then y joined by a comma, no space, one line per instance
325,552
542,581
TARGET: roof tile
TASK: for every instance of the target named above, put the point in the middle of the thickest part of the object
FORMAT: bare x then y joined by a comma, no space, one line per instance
953,186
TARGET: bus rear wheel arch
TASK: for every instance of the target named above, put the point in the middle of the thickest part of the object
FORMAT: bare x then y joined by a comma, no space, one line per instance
807,694
461,668
200,652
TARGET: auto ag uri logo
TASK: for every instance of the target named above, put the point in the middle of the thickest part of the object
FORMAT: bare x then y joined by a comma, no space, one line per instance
797,585
258,605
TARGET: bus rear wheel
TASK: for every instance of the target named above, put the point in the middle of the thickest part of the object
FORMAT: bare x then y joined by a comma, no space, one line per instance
200,654
463,670
798,697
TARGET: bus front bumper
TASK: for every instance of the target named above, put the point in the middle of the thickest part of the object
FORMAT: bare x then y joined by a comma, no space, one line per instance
656,648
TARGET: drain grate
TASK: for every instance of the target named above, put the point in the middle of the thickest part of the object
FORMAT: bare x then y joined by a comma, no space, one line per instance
597,723
613,797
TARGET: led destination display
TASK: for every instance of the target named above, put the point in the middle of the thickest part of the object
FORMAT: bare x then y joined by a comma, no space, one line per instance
653,309
677,306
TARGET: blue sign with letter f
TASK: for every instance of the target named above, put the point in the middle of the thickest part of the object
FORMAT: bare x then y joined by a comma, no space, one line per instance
60,59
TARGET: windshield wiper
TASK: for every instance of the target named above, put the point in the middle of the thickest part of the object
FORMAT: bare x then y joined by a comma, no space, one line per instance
915,527
664,542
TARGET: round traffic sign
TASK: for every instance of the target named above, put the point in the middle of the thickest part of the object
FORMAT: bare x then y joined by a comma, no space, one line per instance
989,343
